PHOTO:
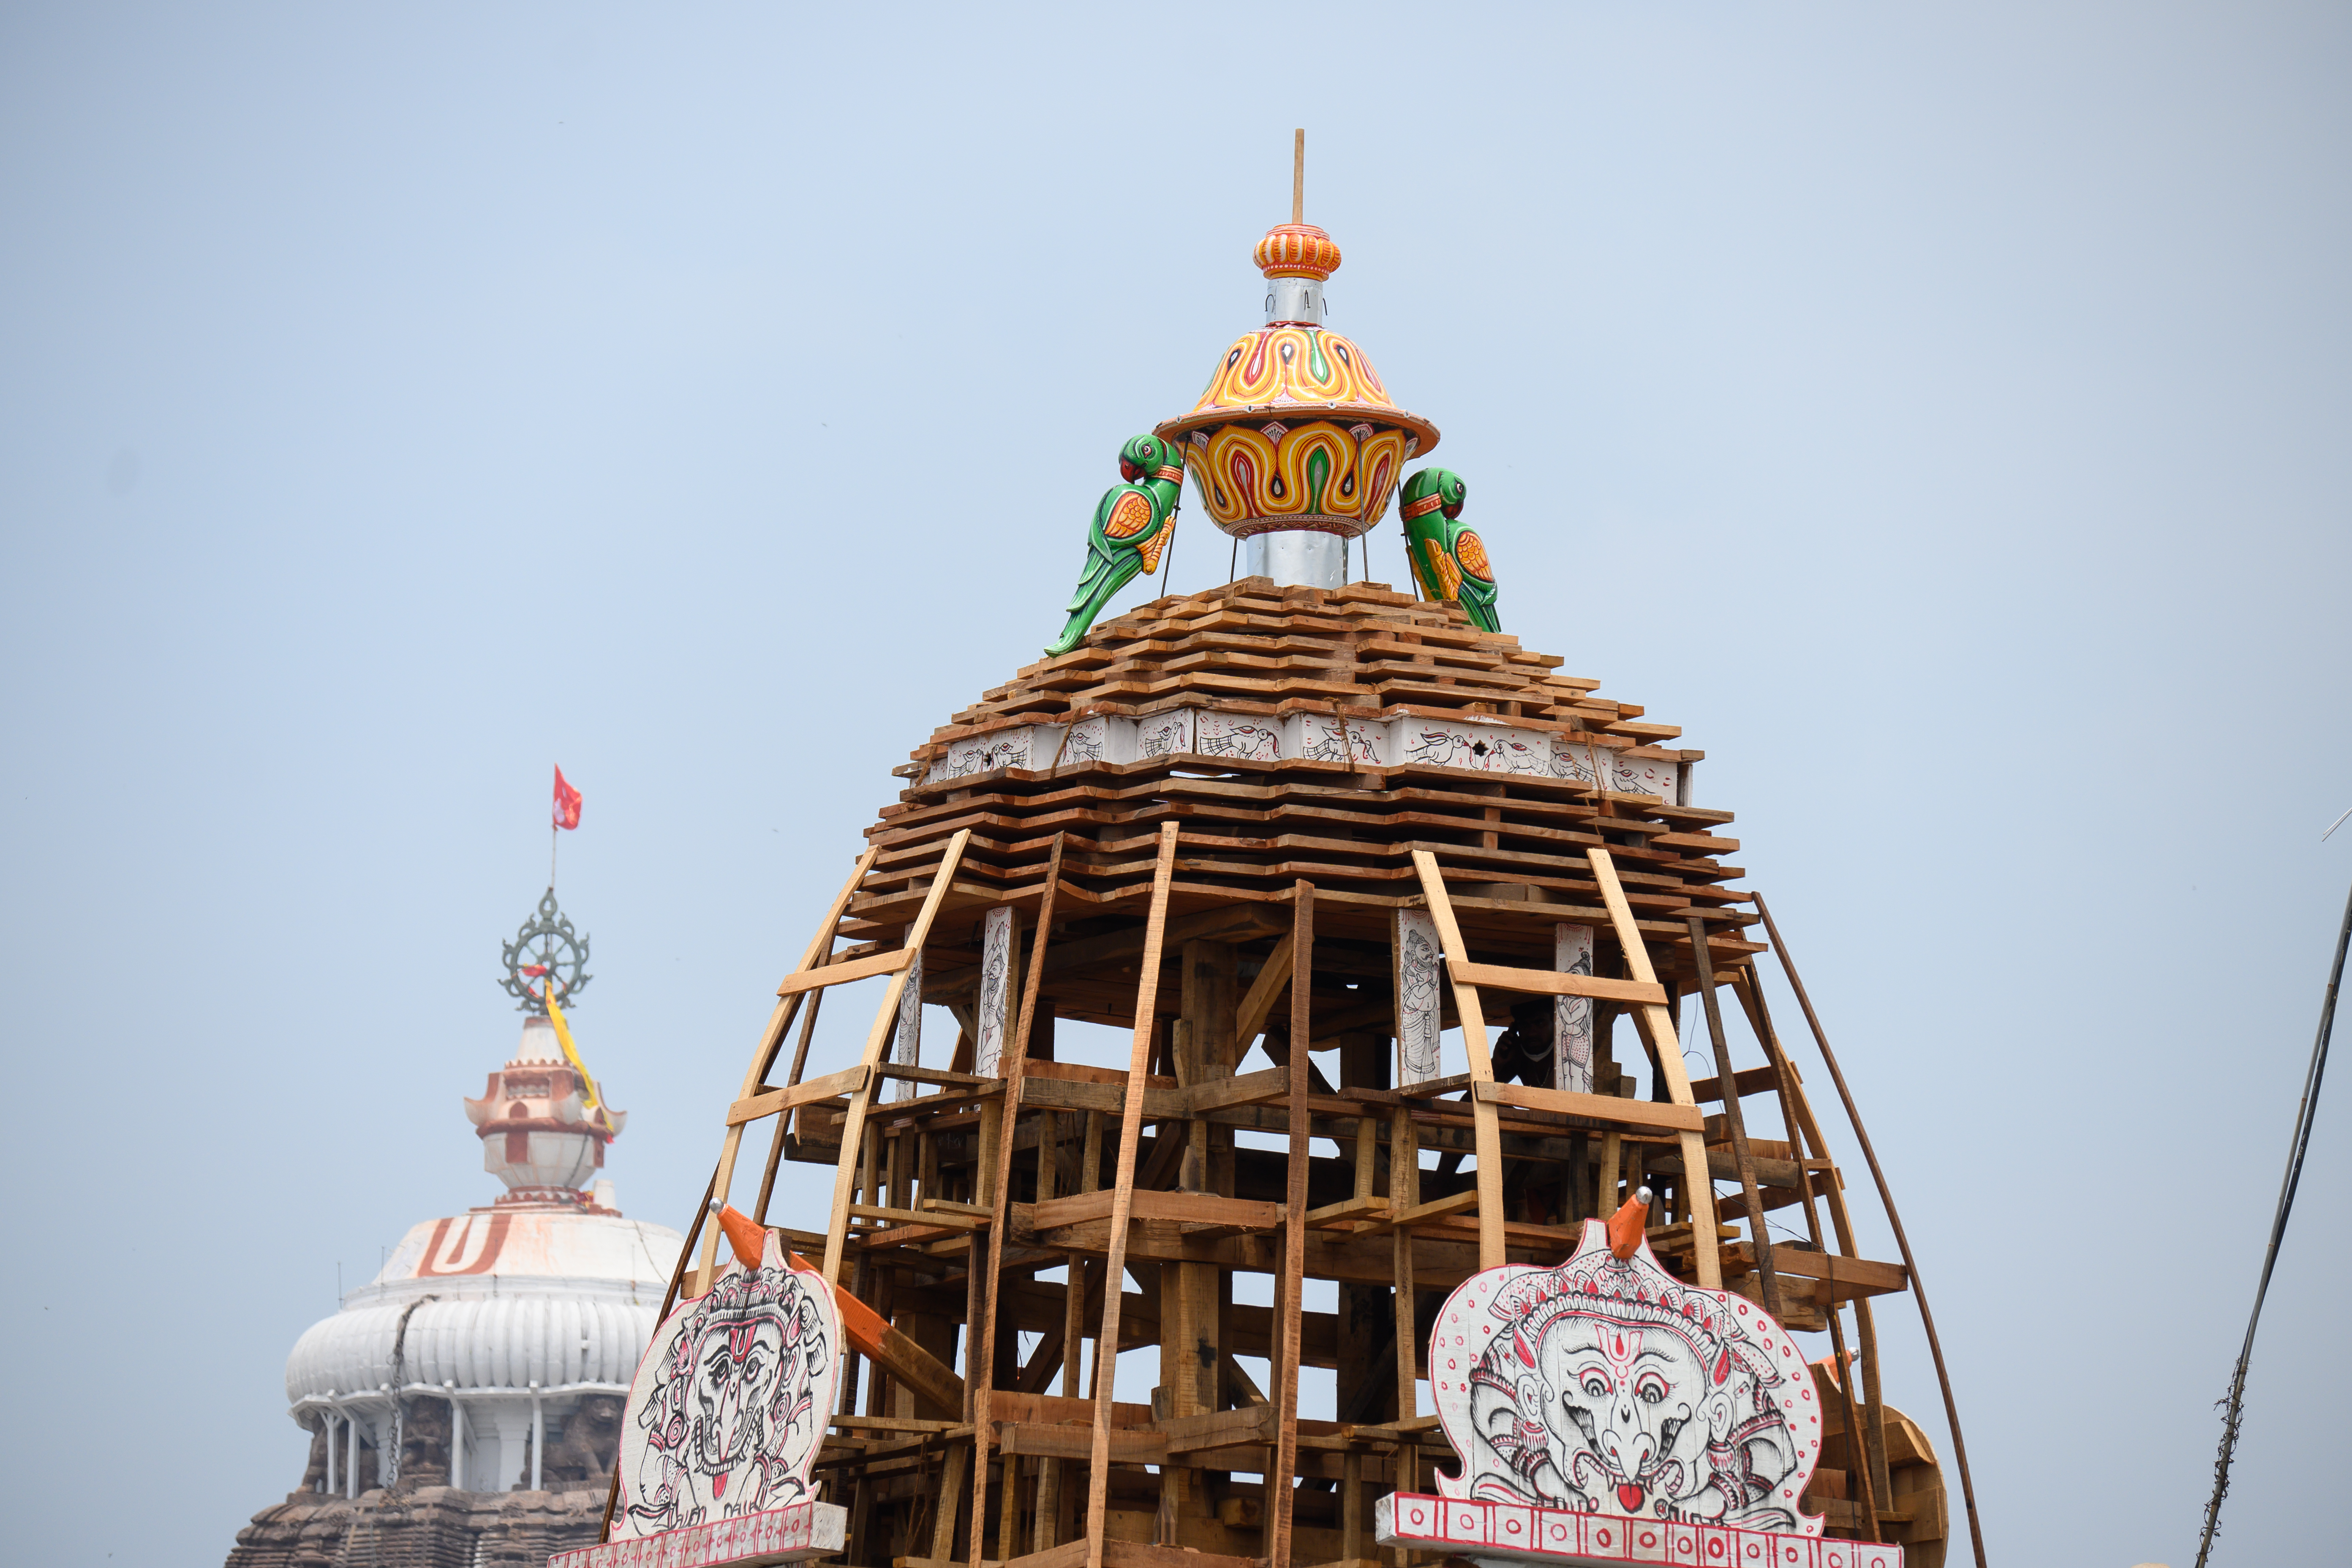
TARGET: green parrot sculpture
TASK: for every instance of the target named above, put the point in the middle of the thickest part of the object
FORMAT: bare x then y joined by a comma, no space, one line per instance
1133,522
1449,560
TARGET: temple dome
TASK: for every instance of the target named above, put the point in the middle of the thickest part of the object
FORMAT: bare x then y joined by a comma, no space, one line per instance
498,1327
496,1300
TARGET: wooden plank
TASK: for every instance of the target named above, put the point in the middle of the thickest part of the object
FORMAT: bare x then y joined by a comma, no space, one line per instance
1205,1208
1609,1107
1250,1089
1127,1445
1765,1079
932,1379
780,1019
1768,1284
1487,1138
1797,1116
847,1081
886,1019
1403,1220
1249,1018
1138,1065
1863,1274
865,968
923,1218
1657,1030
1291,1284
1552,982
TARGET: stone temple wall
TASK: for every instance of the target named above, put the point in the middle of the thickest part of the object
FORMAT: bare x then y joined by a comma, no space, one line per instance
422,1522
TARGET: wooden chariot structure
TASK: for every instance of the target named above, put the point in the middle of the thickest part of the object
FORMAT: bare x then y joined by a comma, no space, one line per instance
1238,914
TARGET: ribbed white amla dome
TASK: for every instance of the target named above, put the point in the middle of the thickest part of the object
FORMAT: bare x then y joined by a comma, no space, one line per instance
514,1313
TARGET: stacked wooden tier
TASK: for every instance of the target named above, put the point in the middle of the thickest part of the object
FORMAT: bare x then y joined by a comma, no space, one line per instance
1240,919
1252,829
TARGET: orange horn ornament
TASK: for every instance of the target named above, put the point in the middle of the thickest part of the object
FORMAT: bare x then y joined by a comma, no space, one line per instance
1626,1225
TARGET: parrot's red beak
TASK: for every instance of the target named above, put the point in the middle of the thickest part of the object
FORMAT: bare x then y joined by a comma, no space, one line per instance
1129,472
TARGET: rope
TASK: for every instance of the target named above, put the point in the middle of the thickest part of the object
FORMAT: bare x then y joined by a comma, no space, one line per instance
2233,1405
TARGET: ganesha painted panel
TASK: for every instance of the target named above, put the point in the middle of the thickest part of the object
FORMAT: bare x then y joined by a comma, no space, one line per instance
1608,1389
728,1409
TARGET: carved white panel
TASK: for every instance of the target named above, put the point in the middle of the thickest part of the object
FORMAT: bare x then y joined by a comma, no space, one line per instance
1441,743
1511,750
1571,760
1645,775
1216,734
1572,1016
993,1005
986,752
1322,737
1420,1010
908,1049
1099,740
1163,734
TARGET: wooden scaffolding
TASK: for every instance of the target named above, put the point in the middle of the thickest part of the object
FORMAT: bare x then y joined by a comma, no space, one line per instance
1213,906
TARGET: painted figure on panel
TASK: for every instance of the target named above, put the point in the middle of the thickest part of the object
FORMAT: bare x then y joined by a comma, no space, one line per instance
732,1402
1449,559
1132,525
1607,1386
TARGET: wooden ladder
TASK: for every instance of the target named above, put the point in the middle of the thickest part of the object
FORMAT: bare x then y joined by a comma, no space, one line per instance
1642,994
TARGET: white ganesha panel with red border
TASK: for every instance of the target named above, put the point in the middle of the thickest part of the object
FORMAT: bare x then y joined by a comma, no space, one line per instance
1606,1412
724,1421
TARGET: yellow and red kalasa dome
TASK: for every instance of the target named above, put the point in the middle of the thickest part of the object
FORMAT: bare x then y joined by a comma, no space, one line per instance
1295,429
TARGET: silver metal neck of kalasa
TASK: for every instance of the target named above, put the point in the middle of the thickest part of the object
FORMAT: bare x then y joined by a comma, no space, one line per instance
1293,299
1297,558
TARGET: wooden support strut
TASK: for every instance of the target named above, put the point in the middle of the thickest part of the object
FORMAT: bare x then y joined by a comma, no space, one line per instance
1291,1300
1767,1282
1657,1030
780,1020
1487,1133
1894,1222
861,1100
982,1335
1138,1065
1797,1116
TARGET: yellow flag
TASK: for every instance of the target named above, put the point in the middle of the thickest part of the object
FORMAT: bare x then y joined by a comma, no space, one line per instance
570,1051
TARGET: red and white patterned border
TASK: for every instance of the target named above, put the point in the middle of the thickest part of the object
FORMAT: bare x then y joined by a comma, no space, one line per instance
1550,1535
780,1535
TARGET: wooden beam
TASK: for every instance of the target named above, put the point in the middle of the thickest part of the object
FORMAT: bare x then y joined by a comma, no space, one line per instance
1797,1116
1553,983
1204,1208
780,1019
1291,1284
886,1019
847,1081
1487,1137
1138,1066
1249,1018
825,975
1657,1031
1769,1283
982,1337
1609,1107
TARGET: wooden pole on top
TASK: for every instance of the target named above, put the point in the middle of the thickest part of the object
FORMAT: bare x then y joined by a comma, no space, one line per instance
1298,175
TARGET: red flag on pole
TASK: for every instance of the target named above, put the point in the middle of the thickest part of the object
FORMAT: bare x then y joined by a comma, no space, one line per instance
567,803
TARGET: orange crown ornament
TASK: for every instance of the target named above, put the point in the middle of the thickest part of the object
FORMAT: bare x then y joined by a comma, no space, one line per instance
1297,250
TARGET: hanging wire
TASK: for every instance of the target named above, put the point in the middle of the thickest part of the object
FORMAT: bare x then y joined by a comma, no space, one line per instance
2233,1406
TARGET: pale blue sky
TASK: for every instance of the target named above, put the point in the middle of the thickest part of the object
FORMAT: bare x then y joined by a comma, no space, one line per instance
1938,411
